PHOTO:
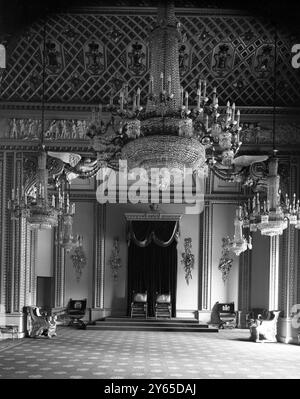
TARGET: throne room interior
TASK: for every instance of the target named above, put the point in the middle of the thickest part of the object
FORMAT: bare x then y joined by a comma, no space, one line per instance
63,67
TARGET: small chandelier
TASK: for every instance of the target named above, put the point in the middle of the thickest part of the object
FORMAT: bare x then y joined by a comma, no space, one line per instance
17,204
167,133
40,211
272,215
42,214
239,243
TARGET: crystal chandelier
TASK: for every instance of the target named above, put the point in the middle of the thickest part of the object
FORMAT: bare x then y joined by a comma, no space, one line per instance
42,214
17,204
40,211
167,132
273,214
239,243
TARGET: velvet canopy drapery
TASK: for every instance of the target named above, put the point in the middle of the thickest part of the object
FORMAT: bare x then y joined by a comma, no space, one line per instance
152,260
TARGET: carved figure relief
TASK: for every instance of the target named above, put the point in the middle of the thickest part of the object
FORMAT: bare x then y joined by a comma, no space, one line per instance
54,63
225,263
264,61
184,58
136,58
222,59
25,129
94,55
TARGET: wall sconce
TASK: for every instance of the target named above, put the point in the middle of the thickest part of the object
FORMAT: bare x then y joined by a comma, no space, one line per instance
225,263
188,259
115,260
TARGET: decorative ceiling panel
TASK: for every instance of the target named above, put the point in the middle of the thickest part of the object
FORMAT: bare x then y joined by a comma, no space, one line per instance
90,56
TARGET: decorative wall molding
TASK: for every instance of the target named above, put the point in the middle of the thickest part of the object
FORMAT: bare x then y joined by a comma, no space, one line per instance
274,273
115,260
2,229
59,272
206,244
99,255
79,261
226,260
7,231
153,216
188,259
245,264
289,246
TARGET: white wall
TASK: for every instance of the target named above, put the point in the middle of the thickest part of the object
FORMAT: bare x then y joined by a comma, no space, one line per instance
222,226
84,226
44,259
260,271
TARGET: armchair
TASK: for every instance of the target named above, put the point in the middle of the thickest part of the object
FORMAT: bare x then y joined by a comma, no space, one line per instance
256,313
223,315
139,306
76,311
264,330
163,306
40,324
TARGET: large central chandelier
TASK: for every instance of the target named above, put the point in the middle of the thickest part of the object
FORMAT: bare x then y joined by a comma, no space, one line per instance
167,133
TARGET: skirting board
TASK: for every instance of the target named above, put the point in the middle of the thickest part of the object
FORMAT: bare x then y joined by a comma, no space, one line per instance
186,314
286,333
98,314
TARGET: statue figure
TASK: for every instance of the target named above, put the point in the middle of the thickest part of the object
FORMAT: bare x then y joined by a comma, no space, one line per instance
38,325
94,57
136,57
264,330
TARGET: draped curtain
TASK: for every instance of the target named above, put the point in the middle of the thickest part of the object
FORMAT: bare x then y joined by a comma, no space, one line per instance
152,260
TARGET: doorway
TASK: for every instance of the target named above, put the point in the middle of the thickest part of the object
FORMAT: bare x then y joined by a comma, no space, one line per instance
44,292
152,261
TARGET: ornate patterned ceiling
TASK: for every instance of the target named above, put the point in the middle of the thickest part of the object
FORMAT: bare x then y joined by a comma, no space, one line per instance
91,54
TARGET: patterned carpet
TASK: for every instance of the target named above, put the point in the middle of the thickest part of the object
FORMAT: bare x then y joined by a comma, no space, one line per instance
83,354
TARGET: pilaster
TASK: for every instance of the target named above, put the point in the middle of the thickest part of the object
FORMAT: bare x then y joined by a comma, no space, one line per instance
59,272
99,256
274,273
244,289
206,245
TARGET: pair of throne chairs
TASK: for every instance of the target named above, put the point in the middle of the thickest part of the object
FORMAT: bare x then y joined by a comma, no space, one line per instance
162,305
